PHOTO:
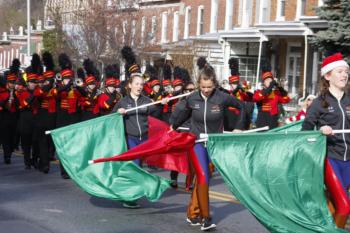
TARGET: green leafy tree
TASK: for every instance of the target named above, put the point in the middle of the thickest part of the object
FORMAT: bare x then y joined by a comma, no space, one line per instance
336,38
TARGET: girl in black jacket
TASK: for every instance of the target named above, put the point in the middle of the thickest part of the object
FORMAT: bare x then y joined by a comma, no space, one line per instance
136,121
205,109
330,111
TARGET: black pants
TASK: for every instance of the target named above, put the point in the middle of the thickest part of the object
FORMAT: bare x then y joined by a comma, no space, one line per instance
28,139
63,119
248,114
166,116
265,119
87,115
230,120
174,175
45,121
8,127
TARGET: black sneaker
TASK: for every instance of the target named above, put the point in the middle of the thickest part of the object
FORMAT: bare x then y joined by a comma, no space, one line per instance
65,176
194,221
7,160
131,205
45,170
207,224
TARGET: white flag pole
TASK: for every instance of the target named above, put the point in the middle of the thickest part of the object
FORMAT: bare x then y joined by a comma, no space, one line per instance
183,128
336,131
158,102
204,137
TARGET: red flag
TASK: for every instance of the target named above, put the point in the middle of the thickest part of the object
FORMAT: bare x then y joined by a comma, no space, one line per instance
163,149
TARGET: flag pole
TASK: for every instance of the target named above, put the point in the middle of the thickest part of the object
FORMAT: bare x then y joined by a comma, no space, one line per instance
157,102
336,131
249,131
204,137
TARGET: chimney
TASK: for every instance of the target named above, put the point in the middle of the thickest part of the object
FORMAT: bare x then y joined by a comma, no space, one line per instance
39,25
4,36
20,31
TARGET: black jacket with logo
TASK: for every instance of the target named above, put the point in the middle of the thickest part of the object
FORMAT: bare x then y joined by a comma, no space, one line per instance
206,115
337,116
136,121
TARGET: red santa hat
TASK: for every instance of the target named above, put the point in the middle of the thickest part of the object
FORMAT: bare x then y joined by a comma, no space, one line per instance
332,62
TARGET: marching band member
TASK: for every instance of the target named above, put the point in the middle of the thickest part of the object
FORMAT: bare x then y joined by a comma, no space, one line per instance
156,95
9,111
68,96
27,94
108,99
267,100
167,93
205,109
89,101
232,115
328,112
46,119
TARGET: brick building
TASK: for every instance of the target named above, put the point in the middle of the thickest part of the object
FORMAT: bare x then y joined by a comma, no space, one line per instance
251,30
13,44
277,30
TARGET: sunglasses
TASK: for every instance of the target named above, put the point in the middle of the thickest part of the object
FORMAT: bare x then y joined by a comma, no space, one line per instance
189,89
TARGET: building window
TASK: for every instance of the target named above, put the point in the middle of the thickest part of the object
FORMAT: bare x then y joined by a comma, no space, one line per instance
228,15
281,10
143,29
200,20
301,9
247,16
176,26
247,68
164,27
187,22
153,29
264,11
133,32
214,16
125,24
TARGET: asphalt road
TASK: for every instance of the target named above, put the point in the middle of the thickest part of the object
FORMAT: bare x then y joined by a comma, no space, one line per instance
32,202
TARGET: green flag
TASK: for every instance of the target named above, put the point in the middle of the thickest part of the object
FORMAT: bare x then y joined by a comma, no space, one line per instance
97,138
278,176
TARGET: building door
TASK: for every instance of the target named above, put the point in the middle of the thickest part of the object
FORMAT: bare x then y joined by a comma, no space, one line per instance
293,71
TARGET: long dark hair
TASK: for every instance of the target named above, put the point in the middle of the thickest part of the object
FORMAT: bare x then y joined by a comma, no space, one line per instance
324,89
208,73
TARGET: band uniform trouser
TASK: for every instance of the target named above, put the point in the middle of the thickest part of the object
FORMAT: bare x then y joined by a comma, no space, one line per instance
230,120
45,121
8,128
266,119
88,115
63,119
26,129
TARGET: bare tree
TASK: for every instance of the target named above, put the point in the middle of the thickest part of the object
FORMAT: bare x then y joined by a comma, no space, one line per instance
99,29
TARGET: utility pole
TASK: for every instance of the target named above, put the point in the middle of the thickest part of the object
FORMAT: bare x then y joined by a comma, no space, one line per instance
28,32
